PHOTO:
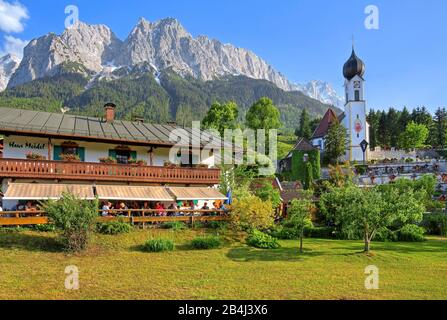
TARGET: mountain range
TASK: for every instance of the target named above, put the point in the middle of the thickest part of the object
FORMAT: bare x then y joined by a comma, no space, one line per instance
159,71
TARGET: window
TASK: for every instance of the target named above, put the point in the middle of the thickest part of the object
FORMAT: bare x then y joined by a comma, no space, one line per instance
68,148
122,156
357,95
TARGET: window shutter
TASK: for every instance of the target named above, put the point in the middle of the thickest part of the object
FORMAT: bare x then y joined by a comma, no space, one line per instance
81,154
57,153
133,155
112,154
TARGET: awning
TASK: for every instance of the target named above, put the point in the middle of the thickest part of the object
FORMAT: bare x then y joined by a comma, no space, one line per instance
34,191
197,194
133,193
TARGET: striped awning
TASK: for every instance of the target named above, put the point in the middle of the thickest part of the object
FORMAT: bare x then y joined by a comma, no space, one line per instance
197,194
32,191
133,193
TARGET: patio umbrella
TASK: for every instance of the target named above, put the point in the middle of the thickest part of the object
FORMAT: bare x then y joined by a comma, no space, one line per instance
230,198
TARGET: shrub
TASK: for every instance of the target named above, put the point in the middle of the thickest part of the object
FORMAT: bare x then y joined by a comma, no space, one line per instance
252,213
261,240
285,233
320,232
206,243
158,245
44,227
175,225
74,218
411,233
386,235
435,223
216,225
113,227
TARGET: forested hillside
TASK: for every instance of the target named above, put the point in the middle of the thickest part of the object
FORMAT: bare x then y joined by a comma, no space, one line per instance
167,97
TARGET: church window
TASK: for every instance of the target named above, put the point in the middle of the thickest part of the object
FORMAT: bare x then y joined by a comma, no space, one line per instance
357,95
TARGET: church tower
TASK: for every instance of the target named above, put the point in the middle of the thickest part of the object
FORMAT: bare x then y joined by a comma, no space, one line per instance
355,107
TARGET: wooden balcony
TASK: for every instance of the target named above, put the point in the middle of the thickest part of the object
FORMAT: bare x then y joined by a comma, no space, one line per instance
83,171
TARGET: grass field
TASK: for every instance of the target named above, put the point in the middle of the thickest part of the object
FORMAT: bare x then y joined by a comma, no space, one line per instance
32,267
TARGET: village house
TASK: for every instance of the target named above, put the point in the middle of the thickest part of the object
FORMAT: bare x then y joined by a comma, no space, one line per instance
47,153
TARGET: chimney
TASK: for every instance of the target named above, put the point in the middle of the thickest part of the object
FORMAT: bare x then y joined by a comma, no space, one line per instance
109,109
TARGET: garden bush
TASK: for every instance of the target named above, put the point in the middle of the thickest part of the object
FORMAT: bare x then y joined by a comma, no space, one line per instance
158,245
206,243
411,233
44,227
175,225
252,213
435,223
261,240
113,227
320,232
74,218
285,233
386,235
216,225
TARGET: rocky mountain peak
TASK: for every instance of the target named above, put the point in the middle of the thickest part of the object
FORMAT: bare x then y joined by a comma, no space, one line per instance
163,44
8,65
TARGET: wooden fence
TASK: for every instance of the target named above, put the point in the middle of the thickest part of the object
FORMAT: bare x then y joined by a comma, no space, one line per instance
23,218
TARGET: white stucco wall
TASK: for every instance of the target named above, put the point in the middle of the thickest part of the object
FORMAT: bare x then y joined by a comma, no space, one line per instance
16,147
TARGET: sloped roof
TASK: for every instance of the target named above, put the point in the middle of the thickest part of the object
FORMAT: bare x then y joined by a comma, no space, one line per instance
41,123
323,128
303,145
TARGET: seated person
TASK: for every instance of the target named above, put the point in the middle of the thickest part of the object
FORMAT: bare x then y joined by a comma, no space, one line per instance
205,208
106,209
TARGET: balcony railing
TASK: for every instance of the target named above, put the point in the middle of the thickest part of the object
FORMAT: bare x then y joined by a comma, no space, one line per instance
84,171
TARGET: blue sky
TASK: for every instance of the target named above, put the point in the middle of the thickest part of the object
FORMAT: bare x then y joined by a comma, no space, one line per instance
304,39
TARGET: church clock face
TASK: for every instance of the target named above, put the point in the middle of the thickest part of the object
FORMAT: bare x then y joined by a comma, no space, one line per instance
357,84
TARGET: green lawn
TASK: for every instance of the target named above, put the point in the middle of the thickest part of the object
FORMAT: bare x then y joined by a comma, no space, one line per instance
32,267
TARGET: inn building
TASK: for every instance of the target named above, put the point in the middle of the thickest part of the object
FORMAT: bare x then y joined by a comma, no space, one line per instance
46,153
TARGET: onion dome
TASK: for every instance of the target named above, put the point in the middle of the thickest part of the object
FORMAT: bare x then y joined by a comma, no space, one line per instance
354,67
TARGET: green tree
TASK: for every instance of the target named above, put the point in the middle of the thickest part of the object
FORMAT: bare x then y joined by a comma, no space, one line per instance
263,115
373,120
268,193
335,143
440,128
304,131
252,213
221,117
422,116
392,123
404,119
309,181
300,215
414,136
74,218
383,133
370,210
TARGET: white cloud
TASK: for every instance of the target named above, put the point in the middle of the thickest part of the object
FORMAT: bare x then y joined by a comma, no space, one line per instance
12,16
13,46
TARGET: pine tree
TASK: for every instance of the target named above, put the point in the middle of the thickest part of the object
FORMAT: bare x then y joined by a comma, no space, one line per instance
440,127
304,130
373,120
